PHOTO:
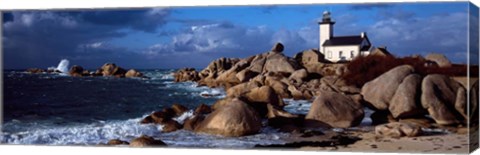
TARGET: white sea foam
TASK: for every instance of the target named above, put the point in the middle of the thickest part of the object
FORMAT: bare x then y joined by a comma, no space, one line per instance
297,106
180,119
63,66
102,131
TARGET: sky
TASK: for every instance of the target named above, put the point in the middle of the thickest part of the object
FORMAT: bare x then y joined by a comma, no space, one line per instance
177,37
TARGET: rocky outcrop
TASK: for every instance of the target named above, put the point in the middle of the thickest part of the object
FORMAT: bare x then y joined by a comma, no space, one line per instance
232,120
179,109
335,110
111,69
146,141
192,122
380,91
133,73
439,59
76,71
202,109
444,98
186,74
35,70
398,130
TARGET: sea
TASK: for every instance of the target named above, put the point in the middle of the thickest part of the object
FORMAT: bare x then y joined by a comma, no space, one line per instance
56,109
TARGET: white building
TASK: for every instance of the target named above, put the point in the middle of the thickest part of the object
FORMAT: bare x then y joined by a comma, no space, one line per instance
341,48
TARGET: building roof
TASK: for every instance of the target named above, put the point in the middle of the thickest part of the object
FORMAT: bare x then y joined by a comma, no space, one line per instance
344,40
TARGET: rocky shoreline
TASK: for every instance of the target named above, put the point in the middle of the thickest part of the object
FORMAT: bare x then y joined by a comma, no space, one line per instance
410,96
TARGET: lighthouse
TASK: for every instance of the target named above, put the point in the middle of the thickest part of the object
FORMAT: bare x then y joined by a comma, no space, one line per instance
326,29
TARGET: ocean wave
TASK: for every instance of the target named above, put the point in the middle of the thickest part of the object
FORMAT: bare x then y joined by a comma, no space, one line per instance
103,131
91,134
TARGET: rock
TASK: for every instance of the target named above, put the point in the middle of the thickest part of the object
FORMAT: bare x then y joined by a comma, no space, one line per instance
192,122
133,73
186,74
117,142
277,62
179,109
170,126
217,67
474,103
406,100
160,117
111,69
336,110
221,103
379,92
202,109
242,88
245,75
144,141
299,76
258,63
278,47
35,70
264,94
311,61
232,120
279,87
397,130
275,111
296,94
440,59
76,71
444,98
422,121
147,120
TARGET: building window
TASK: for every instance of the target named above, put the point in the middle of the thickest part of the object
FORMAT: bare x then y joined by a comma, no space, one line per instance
340,54
352,54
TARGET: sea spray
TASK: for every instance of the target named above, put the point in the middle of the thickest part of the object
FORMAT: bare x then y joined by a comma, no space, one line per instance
63,66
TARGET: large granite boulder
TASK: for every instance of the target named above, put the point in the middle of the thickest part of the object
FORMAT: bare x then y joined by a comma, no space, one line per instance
232,120
311,60
277,62
146,141
264,94
380,91
444,98
440,59
242,88
397,130
217,67
299,76
278,47
406,101
335,110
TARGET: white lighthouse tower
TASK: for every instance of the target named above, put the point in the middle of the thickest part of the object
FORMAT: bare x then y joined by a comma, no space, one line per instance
326,29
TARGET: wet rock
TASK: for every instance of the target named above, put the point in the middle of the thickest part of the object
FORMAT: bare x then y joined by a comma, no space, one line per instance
179,109
336,110
444,98
146,141
232,120
147,120
170,126
397,130
379,92
192,122
202,109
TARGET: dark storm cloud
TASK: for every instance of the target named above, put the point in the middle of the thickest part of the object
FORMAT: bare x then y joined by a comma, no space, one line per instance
40,38
370,6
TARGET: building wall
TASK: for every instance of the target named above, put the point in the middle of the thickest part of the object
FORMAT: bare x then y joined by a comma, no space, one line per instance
326,31
332,53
